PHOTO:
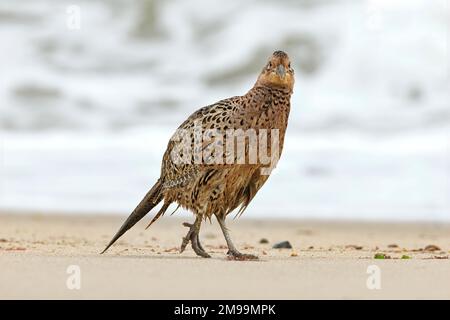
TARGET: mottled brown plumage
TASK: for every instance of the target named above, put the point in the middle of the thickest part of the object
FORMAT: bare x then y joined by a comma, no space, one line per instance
218,188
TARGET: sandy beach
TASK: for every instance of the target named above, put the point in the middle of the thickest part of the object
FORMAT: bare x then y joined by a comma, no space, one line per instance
328,260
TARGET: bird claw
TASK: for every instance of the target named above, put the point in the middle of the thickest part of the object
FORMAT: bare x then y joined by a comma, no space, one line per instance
237,256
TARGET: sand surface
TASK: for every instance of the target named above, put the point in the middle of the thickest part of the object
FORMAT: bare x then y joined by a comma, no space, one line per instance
328,260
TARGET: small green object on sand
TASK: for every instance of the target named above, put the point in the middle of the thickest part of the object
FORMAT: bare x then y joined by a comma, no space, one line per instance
381,256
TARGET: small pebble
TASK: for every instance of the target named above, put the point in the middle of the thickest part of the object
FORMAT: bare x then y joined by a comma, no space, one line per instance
263,240
282,245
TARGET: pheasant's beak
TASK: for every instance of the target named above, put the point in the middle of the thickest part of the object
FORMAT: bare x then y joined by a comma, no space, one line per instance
281,72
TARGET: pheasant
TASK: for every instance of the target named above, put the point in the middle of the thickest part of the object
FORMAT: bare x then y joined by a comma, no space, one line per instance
216,188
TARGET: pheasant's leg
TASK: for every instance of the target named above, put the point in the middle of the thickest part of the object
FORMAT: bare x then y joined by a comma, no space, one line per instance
198,242
197,247
188,236
232,251
192,236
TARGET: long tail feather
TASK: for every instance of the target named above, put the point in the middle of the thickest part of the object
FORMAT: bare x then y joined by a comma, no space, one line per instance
151,199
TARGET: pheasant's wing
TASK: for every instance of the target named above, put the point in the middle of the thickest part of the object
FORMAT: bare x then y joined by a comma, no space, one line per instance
185,154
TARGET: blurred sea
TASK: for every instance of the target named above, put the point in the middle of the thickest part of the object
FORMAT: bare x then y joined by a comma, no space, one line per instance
85,114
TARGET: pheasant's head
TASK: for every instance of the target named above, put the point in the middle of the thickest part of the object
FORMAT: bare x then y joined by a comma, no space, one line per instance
277,72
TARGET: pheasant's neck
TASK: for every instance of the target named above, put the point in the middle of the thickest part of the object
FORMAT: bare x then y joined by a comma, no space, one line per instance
263,97
266,107
265,88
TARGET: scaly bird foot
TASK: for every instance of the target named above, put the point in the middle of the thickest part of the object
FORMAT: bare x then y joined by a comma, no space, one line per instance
236,255
192,236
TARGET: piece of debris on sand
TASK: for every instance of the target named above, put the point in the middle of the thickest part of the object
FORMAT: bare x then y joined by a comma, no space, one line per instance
353,246
16,249
381,256
432,248
282,245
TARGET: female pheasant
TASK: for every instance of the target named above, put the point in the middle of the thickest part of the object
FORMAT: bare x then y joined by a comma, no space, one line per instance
218,187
